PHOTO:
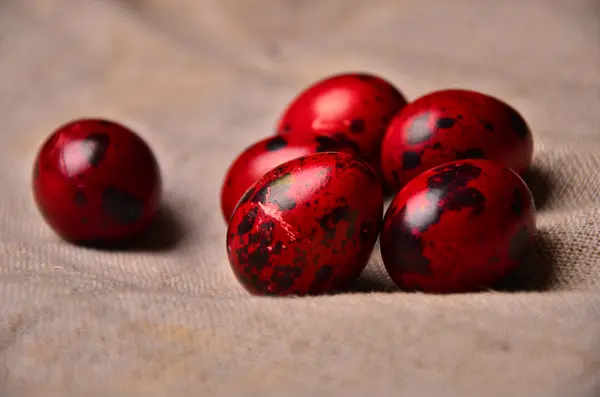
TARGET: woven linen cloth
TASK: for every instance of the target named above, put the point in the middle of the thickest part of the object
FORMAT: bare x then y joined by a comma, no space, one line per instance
200,81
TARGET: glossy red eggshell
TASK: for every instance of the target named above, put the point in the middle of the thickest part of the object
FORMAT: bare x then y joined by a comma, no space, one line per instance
354,108
263,156
306,227
96,181
459,227
450,125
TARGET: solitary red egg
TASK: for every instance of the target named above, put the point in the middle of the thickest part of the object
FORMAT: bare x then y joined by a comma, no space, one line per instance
265,155
96,181
453,125
459,227
353,108
307,226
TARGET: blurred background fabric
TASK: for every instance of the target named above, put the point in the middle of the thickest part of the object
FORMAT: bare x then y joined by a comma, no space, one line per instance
200,81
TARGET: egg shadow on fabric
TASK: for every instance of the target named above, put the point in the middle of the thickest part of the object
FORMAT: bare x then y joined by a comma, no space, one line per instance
373,278
537,272
539,181
165,233
367,283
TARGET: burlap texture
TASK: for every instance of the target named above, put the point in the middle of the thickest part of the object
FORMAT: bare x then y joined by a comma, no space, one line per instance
200,80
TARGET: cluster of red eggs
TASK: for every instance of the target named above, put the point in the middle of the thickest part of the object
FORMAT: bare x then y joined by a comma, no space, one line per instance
305,206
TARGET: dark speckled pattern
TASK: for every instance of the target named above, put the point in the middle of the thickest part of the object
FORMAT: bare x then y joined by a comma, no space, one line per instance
355,107
264,155
453,125
96,181
459,227
307,226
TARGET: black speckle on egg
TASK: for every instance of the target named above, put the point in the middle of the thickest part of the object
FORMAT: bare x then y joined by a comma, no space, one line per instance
411,160
471,153
342,139
285,276
407,246
286,128
79,198
258,258
327,144
324,274
276,143
466,198
487,125
445,122
261,239
357,126
246,224
330,220
277,248
453,176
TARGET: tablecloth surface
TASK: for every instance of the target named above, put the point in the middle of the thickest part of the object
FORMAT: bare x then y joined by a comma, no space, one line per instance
200,81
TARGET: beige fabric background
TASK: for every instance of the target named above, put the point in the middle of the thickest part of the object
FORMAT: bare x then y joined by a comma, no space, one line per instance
200,80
